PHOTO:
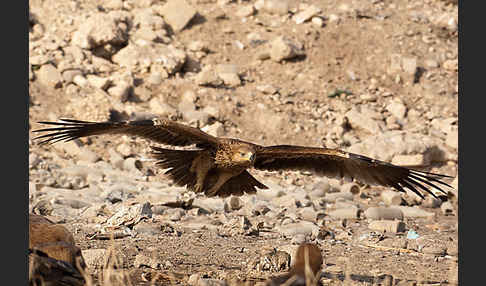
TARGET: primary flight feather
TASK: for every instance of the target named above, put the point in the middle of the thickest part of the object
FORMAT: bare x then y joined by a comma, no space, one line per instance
219,166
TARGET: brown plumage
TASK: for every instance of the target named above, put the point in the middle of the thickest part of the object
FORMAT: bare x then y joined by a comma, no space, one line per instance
47,271
42,231
218,166
305,270
53,255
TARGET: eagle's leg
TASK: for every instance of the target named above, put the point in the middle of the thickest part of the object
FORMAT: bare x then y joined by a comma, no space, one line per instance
223,177
200,176
201,166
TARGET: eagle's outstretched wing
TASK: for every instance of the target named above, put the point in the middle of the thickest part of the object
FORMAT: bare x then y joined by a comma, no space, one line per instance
341,164
158,130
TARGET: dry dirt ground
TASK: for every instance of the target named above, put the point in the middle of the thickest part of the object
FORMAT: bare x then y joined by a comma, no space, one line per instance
394,62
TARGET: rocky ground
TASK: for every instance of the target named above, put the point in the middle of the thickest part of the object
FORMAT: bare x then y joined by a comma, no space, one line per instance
378,78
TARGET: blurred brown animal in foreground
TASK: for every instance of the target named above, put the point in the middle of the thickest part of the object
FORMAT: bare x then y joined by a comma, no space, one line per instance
305,270
54,259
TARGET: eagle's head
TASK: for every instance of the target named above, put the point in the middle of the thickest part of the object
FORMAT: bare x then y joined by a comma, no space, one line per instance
243,155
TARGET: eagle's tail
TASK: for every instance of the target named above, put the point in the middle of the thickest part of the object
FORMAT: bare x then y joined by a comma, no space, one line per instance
178,163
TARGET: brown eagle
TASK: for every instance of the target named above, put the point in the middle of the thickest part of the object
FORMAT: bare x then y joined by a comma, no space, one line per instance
219,166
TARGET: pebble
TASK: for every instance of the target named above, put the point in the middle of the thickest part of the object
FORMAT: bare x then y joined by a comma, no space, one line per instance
306,14
317,194
333,197
193,279
197,212
411,199
413,211
80,80
383,213
397,108
288,201
411,234
447,208
113,4
132,164
116,160
267,89
175,214
129,215
157,106
308,214
342,204
235,203
208,77
34,160
72,203
431,202
450,65
262,55
211,282
118,193
209,204
196,116
431,63
352,188
88,156
156,56
98,82
391,198
434,250
362,120
389,226
392,123
453,250
94,257
159,210
318,21
69,75
303,227
409,65
410,160
49,76
101,29
260,209
334,269
322,185
198,46
282,48
409,283
121,91
124,149
345,213
279,7
215,129
143,260
229,74
177,13
452,139
245,11
368,97
298,239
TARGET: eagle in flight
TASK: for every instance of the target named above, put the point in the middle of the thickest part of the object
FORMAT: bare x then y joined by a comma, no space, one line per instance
219,166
